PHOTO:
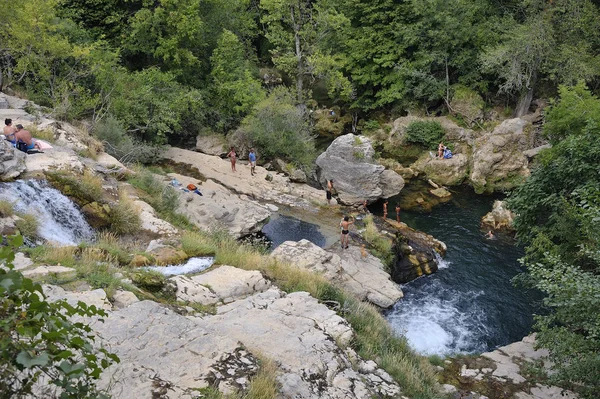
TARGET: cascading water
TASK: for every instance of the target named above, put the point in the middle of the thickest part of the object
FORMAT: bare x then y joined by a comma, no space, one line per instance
470,305
60,221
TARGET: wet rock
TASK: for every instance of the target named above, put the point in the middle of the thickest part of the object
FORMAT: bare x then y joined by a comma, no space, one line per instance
500,218
222,285
349,162
166,255
440,192
12,161
364,276
8,225
96,214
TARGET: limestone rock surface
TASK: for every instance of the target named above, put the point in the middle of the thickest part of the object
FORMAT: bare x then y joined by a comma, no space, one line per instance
218,207
222,285
499,161
12,161
500,217
212,145
448,172
151,222
97,297
364,276
46,270
349,162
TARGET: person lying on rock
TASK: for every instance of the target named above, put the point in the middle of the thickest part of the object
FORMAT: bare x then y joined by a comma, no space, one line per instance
24,136
9,130
345,226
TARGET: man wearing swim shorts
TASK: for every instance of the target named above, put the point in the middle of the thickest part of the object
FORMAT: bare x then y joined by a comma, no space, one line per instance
24,136
345,226
252,159
329,190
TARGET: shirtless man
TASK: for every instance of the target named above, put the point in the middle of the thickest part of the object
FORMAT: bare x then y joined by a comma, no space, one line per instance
9,130
398,213
329,191
385,203
24,136
345,226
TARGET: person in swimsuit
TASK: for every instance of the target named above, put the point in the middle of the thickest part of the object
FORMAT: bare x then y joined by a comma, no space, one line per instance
385,203
252,159
345,226
24,136
329,190
9,130
232,156
398,213
441,148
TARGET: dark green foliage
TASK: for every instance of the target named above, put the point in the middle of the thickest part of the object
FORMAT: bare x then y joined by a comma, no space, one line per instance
279,129
38,339
426,133
558,211
149,280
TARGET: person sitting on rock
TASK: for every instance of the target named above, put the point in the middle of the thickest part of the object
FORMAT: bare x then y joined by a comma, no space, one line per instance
24,136
441,148
345,226
9,130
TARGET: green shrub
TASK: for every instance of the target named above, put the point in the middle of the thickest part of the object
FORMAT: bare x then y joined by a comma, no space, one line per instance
425,133
84,188
124,147
149,280
371,125
40,343
280,130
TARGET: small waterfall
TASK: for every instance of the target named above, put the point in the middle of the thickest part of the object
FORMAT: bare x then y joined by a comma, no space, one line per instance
60,221
193,265
441,262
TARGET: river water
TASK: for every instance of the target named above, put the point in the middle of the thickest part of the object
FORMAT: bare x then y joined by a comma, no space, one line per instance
470,305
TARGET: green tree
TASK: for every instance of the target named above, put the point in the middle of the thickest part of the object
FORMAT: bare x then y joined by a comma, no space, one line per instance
235,89
279,129
301,34
558,210
40,342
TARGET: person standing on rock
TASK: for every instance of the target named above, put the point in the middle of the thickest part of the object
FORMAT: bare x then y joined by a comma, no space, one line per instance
398,213
329,191
9,130
345,226
252,159
232,156
385,204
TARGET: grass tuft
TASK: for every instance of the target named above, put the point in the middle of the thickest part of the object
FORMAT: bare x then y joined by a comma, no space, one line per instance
27,224
381,246
6,208
124,216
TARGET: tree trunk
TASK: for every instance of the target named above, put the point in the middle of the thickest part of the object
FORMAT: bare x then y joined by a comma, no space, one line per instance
300,72
524,103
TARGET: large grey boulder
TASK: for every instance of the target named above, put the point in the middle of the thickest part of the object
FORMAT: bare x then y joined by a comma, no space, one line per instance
222,285
447,172
349,162
12,161
212,145
499,162
364,276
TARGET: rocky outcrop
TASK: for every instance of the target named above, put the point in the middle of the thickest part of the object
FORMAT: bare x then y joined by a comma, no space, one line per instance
505,367
151,223
165,254
417,253
212,145
349,162
162,352
500,218
448,172
499,161
219,208
12,161
222,285
364,276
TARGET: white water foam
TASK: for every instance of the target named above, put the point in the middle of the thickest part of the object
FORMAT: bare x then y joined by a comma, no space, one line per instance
441,262
433,325
60,221
193,265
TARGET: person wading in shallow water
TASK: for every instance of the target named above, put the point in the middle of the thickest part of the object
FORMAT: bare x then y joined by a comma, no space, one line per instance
345,226
232,156
398,213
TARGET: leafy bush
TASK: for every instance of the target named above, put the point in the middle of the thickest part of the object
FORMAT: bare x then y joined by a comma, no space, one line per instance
39,340
279,129
122,146
425,133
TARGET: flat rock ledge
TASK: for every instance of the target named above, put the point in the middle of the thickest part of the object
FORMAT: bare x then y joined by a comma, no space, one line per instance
364,276
222,285
164,354
503,368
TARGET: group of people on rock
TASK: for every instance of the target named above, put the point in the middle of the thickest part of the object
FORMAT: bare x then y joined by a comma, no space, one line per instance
18,136
232,155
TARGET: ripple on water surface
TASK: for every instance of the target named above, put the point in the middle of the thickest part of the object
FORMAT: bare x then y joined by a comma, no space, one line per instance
470,305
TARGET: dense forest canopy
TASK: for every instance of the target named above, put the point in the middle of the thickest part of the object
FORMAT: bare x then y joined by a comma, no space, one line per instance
169,69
